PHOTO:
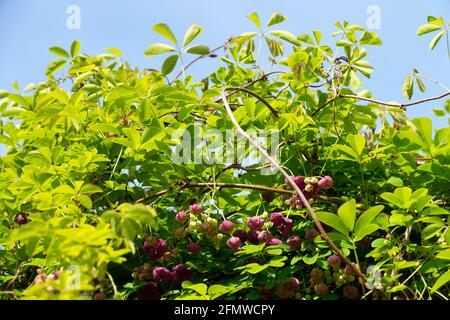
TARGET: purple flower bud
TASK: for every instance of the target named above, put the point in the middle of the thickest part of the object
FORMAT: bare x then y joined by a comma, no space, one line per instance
265,236
21,218
325,183
226,226
234,243
196,208
299,181
334,260
294,242
181,216
273,242
193,247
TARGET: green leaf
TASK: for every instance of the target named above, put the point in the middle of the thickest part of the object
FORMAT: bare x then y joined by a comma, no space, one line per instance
114,51
217,290
309,260
443,279
54,66
169,64
370,38
59,52
365,220
444,255
357,142
395,181
200,288
74,48
191,34
436,39
347,213
285,35
408,87
439,112
403,194
425,128
253,17
164,30
275,19
349,154
420,84
427,28
199,49
343,43
333,221
158,48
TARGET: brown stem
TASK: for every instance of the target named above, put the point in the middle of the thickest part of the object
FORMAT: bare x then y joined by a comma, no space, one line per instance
257,96
222,185
384,103
396,104
292,183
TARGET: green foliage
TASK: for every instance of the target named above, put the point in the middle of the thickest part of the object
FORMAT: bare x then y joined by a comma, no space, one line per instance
89,185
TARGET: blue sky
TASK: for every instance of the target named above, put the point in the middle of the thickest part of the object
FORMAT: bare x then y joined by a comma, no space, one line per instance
28,28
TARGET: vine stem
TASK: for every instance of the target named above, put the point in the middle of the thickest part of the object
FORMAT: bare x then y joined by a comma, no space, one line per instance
305,202
384,103
224,185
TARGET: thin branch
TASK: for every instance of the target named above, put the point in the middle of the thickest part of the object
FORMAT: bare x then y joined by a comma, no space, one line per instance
396,104
257,96
390,104
201,57
292,183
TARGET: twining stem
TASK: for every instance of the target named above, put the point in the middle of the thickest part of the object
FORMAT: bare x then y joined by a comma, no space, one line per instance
222,185
384,103
292,183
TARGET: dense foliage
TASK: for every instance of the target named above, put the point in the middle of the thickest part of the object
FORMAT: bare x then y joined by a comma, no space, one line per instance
94,204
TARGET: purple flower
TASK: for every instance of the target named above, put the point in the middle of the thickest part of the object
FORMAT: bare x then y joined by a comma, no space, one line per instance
265,236
196,208
294,242
156,250
149,292
241,234
255,223
161,274
234,243
299,181
326,183
180,216
193,247
273,242
226,226
286,227
252,236
276,218
181,272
